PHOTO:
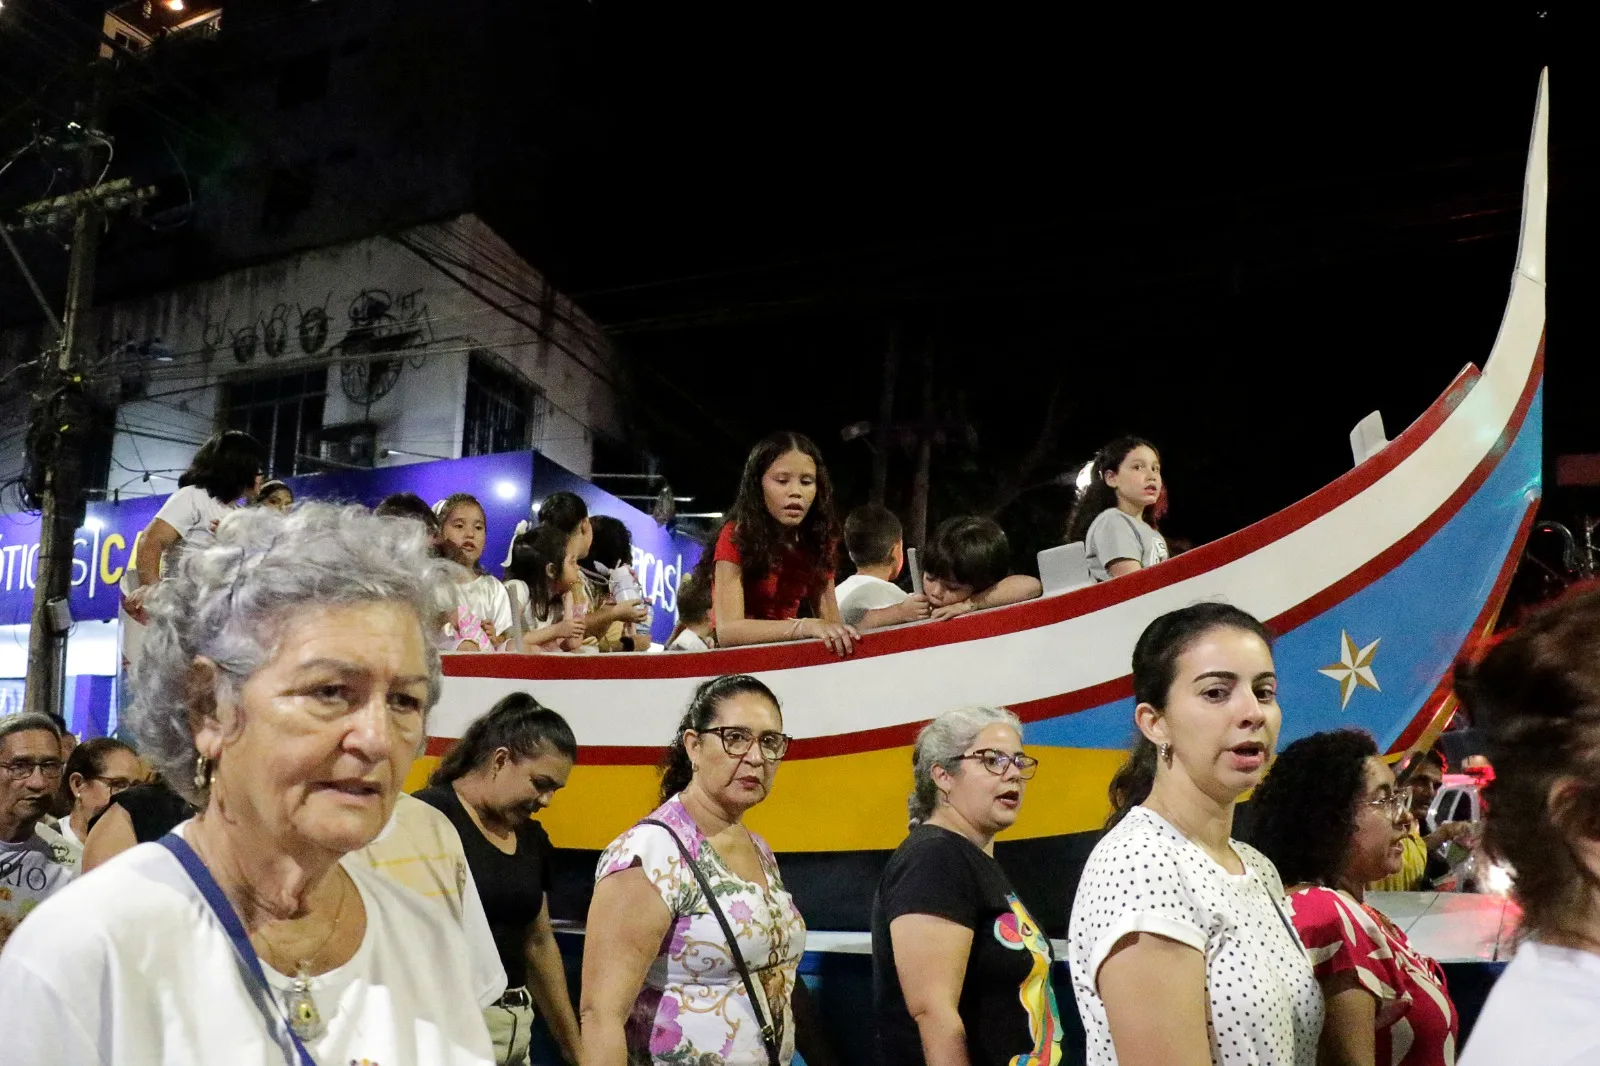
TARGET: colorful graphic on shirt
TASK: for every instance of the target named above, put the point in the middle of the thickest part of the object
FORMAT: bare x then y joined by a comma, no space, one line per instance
1017,930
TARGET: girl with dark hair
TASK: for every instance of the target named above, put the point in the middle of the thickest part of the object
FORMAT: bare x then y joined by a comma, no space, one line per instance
695,630
1537,696
541,577
776,550
1180,950
463,534
505,769
226,467
1333,821
659,981
1115,515
567,512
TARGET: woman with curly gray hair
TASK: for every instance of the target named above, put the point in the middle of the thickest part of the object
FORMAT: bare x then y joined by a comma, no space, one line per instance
283,689
961,971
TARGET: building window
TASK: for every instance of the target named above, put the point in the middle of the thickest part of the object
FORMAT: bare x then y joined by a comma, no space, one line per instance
504,412
284,413
290,190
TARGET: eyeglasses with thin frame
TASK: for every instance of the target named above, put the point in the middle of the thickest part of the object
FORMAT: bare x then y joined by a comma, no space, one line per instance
736,741
1394,805
22,769
116,784
998,762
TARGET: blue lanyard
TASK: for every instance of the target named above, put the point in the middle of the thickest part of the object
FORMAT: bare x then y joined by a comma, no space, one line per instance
262,992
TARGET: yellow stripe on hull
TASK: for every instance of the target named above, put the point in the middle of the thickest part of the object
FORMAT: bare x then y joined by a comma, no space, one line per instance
840,803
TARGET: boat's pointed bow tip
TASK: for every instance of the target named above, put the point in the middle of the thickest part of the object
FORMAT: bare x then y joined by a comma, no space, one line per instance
1535,191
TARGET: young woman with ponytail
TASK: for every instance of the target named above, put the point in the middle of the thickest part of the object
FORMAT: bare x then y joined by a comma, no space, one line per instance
505,769
960,970
659,981
1181,952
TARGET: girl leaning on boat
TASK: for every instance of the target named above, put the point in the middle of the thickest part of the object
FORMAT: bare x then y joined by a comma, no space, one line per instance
1181,953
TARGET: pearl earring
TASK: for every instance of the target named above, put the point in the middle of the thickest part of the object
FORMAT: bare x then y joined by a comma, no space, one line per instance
1166,754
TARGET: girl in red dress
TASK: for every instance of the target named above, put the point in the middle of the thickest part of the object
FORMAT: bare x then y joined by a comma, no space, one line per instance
1331,819
776,551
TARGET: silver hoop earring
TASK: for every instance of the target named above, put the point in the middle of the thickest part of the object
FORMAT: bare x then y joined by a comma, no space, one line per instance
202,773
1166,754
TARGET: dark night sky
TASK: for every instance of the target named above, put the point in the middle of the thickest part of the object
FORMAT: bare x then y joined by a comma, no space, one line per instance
1237,242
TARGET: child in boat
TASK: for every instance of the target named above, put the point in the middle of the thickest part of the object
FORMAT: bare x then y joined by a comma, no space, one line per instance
967,567
775,553
567,512
544,578
695,631
463,531
456,628
869,598
613,588
1114,515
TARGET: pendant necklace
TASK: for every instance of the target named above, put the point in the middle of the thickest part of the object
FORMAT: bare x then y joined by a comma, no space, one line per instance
305,1020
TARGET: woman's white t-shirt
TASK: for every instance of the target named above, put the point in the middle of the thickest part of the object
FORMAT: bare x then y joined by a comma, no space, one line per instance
1264,1004
1544,1009
130,966
194,513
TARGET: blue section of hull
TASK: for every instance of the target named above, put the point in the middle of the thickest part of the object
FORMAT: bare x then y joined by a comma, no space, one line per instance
1420,612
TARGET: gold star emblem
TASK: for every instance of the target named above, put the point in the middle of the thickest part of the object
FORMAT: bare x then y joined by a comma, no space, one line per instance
1354,668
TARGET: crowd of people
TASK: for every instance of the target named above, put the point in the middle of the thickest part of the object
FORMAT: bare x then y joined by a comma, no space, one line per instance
247,847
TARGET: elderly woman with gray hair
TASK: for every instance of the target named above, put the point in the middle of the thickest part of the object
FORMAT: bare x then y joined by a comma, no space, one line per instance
961,971
283,688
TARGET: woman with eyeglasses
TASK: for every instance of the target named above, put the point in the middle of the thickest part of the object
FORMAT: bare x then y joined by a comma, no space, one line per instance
96,772
1331,819
661,982
960,970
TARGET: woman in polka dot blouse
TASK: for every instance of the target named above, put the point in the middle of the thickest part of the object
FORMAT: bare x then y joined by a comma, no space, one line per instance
1181,952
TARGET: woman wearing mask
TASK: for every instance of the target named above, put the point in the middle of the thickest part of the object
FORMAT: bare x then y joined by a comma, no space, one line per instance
1181,952
961,971
776,551
1537,694
661,982
96,772
1332,820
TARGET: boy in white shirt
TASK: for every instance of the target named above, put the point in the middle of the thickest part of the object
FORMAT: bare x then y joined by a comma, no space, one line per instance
869,599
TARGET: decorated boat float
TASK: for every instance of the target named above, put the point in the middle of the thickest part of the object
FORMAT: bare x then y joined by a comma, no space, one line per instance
1374,585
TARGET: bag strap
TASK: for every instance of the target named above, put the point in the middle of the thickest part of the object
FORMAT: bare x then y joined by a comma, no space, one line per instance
212,894
769,1035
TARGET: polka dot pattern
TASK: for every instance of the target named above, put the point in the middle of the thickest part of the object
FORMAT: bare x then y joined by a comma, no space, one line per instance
1264,1004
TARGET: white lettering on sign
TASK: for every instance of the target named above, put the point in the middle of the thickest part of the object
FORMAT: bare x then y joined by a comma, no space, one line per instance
659,579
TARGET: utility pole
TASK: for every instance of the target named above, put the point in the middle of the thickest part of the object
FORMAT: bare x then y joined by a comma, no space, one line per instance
60,413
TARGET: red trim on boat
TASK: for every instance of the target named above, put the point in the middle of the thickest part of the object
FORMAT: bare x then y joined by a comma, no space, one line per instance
1046,611
1491,606
1020,616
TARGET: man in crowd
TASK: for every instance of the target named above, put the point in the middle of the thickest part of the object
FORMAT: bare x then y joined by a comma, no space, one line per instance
31,869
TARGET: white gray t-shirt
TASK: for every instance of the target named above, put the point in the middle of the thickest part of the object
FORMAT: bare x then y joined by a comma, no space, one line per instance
486,598
860,593
1117,535
1545,1009
194,513
31,871
129,965
1265,1006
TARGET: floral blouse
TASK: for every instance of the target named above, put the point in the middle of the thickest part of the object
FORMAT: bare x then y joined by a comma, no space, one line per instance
693,1008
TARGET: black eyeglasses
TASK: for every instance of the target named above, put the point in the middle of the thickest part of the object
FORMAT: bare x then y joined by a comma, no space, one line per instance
736,741
998,762
22,769
116,784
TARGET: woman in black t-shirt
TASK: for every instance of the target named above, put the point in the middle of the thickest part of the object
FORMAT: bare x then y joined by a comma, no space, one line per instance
961,971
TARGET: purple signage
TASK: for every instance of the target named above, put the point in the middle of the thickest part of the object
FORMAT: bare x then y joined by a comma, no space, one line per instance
507,485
